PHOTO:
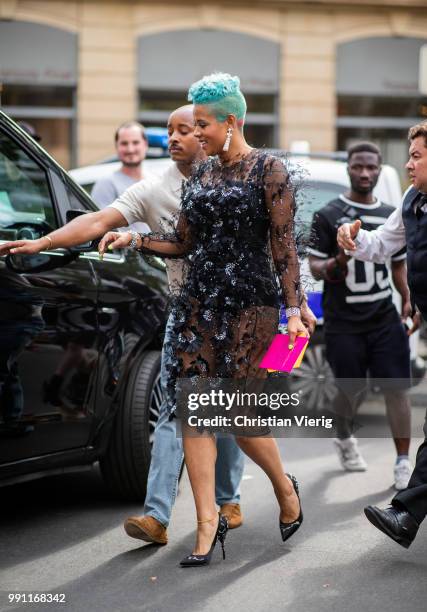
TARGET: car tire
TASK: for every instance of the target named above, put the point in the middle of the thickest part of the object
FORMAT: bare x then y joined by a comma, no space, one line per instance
126,464
313,380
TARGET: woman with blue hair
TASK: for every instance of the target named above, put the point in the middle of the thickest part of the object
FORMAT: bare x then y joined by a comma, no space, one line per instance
237,215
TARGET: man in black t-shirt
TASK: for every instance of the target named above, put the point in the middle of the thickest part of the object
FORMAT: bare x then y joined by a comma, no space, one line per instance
363,330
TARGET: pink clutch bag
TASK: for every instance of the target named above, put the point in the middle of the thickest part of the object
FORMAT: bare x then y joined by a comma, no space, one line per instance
280,357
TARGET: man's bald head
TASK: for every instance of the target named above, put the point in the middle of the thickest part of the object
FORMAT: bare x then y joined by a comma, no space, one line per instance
185,112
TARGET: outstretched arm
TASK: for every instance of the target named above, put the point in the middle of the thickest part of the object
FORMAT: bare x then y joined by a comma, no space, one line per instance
169,246
80,230
377,245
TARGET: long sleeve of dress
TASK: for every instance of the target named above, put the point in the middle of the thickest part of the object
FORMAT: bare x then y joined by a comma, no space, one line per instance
171,245
280,202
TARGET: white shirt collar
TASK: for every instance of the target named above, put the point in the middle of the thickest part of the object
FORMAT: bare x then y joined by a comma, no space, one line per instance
376,204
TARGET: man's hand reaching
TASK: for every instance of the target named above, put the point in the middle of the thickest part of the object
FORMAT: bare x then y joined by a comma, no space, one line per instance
346,235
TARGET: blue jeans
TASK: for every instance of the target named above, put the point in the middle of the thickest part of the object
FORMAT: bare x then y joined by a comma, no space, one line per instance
167,457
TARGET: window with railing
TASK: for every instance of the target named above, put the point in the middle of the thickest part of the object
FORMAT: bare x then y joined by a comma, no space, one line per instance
261,120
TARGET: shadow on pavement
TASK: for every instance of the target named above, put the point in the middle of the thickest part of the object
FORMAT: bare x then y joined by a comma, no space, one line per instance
43,516
164,585
380,579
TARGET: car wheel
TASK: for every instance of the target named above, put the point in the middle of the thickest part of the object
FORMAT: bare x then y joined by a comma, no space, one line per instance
313,380
126,464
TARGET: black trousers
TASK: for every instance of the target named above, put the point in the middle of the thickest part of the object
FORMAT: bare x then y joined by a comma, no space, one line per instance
414,498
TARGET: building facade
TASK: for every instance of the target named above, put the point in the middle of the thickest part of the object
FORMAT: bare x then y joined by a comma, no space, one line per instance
326,72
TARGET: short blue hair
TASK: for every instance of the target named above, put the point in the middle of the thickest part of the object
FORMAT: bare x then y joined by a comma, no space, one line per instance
221,92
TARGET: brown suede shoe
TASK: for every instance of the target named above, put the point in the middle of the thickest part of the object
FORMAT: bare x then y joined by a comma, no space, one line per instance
146,528
233,514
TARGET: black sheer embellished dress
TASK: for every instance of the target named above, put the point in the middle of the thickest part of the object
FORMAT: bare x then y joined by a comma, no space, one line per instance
236,233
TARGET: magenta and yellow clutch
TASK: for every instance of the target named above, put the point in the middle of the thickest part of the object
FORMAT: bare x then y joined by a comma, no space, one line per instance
280,357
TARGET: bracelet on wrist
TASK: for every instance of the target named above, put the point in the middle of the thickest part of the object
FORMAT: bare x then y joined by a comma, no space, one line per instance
50,243
293,311
134,242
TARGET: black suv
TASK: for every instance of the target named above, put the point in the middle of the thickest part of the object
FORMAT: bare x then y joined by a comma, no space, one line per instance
80,339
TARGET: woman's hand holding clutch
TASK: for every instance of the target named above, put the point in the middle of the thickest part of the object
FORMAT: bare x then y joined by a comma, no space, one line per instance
295,326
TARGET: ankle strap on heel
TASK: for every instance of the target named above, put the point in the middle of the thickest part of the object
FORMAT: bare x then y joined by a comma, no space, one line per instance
209,520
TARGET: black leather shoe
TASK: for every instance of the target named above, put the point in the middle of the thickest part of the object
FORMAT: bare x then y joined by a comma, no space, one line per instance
288,529
200,560
398,524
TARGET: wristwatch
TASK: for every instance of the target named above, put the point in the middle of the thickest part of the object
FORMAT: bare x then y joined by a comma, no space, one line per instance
134,241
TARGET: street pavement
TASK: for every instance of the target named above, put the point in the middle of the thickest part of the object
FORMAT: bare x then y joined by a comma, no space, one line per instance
65,535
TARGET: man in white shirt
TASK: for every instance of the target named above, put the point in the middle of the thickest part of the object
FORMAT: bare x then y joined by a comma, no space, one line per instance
406,226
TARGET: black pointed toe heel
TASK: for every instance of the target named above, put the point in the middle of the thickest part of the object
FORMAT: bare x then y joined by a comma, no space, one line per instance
288,529
199,560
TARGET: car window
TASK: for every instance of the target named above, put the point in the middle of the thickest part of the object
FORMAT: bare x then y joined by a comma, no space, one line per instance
24,190
87,187
74,201
311,198
78,198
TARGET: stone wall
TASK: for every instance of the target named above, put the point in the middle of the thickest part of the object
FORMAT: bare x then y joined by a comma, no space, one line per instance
308,34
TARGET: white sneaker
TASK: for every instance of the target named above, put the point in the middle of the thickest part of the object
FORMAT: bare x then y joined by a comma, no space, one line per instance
402,474
349,455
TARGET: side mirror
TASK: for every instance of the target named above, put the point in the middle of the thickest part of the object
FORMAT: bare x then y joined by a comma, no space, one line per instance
92,245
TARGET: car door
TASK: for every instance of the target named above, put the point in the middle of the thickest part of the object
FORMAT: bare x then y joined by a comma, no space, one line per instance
48,314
